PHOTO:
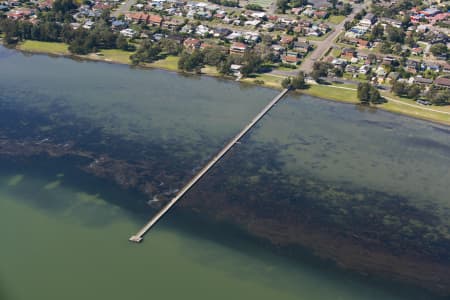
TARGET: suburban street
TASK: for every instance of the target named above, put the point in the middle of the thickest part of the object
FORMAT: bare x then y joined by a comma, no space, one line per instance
323,46
123,8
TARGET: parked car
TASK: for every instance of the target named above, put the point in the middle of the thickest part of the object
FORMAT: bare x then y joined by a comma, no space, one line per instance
423,102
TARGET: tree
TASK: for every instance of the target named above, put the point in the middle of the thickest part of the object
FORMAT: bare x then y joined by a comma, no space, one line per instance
283,5
64,6
395,35
368,94
320,69
439,97
169,46
254,6
147,53
213,56
191,61
252,63
348,25
414,91
315,74
347,9
299,3
439,49
286,82
363,93
399,88
224,67
377,31
122,43
374,95
298,82
333,3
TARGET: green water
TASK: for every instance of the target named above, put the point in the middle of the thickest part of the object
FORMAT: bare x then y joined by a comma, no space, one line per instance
64,233
68,243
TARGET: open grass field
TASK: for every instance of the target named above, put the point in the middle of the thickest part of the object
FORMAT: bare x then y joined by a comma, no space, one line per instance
336,19
116,55
332,93
268,79
210,70
263,3
440,114
336,52
44,47
318,38
169,63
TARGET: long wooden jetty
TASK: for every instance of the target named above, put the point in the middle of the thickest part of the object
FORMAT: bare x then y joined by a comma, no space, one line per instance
138,237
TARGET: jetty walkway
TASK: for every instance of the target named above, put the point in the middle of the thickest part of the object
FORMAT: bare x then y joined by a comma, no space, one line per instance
138,237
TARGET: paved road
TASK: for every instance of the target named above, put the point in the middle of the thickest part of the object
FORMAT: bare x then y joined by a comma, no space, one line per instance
323,46
123,8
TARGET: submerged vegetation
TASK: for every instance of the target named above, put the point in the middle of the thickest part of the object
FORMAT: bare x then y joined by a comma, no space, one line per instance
253,187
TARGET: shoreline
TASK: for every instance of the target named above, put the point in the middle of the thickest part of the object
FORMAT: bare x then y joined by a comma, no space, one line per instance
316,90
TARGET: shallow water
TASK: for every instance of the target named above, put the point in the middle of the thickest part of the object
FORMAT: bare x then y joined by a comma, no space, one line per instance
63,241
71,244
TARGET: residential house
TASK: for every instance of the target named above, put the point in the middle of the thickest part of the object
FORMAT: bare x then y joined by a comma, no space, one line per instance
302,45
368,20
290,59
296,10
442,82
119,25
412,66
155,20
393,76
362,43
416,51
129,33
422,81
388,60
238,48
137,17
286,40
351,69
364,69
445,68
339,62
191,44
392,22
348,53
381,73
236,70
171,24
321,14
221,32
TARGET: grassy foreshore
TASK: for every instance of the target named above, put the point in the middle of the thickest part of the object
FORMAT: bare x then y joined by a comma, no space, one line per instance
341,93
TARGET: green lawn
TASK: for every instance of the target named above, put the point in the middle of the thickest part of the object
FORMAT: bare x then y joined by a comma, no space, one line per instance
116,55
332,93
210,70
169,63
336,52
336,19
417,111
346,85
318,38
285,69
44,47
269,80
263,3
